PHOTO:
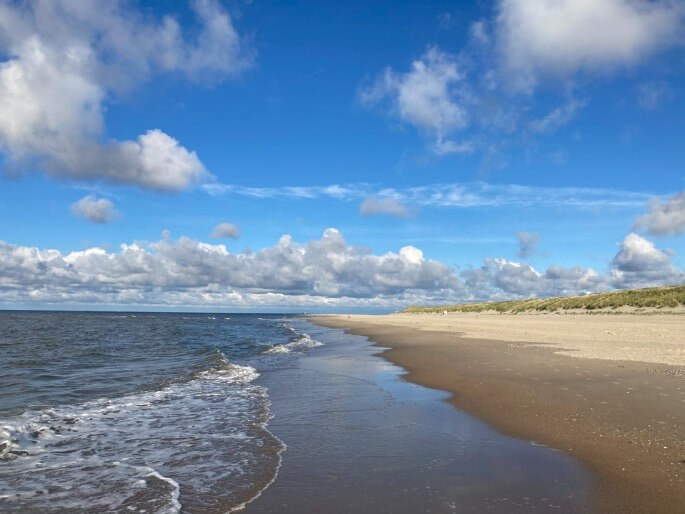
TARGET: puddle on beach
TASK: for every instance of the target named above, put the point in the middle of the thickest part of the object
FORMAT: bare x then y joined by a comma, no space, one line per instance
360,439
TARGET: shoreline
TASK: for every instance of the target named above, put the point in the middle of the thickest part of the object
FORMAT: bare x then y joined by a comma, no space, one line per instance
362,439
624,418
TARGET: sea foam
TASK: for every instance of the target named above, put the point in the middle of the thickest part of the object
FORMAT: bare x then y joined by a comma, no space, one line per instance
115,454
300,343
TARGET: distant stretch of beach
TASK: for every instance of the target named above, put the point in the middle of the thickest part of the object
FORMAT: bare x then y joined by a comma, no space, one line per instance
607,388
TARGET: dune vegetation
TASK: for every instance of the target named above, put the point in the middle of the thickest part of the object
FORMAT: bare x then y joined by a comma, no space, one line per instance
652,298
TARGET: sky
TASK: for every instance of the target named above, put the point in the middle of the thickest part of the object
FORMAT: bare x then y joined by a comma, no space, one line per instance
350,156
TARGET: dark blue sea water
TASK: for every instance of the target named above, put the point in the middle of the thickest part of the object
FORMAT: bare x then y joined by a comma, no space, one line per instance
123,411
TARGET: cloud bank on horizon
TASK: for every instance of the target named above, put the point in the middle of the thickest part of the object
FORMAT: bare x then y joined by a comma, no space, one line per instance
515,77
326,271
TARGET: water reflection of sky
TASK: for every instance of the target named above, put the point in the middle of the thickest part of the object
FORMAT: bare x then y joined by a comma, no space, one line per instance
357,432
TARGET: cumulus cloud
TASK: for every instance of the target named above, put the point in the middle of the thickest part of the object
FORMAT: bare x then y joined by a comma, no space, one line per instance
637,264
500,279
664,218
538,38
426,96
325,272
638,254
226,230
527,243
458,113
483,98
64,59
197,273
374,206
95,210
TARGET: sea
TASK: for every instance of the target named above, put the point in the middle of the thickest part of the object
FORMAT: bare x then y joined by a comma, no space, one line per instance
264,413
128,412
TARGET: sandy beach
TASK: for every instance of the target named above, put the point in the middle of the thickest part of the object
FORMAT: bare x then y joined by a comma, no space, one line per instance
608,389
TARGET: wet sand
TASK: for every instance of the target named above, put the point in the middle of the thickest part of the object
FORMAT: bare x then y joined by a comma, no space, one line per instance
361,439
618,405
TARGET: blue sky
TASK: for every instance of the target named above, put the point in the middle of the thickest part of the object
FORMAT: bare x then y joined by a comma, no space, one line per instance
522,148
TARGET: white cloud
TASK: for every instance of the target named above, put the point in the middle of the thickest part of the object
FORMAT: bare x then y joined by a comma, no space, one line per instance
527,243
327,272
185,270
95,210
161,163
426,97
664,217
639,254
65,59
500,279
481,194
447,146
485,94
557,117
226,230
374,206
651,95
538,38
479,33
336,191
639,264
449,195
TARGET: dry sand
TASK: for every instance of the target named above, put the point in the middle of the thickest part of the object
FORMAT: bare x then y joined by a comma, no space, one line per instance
608,389
659,339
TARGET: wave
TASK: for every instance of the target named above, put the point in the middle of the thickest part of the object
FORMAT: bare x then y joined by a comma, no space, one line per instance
303,342
192,442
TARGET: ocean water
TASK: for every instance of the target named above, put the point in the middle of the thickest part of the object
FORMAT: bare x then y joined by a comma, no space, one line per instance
135,412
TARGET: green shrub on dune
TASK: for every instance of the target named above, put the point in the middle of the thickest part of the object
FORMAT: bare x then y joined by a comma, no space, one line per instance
654,297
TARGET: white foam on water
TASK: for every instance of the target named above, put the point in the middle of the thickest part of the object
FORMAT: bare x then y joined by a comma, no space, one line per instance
304,342
288,327
153,451
175,504
279,348
241,506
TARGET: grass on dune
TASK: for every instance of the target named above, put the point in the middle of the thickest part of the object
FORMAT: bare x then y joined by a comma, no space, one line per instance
654,297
